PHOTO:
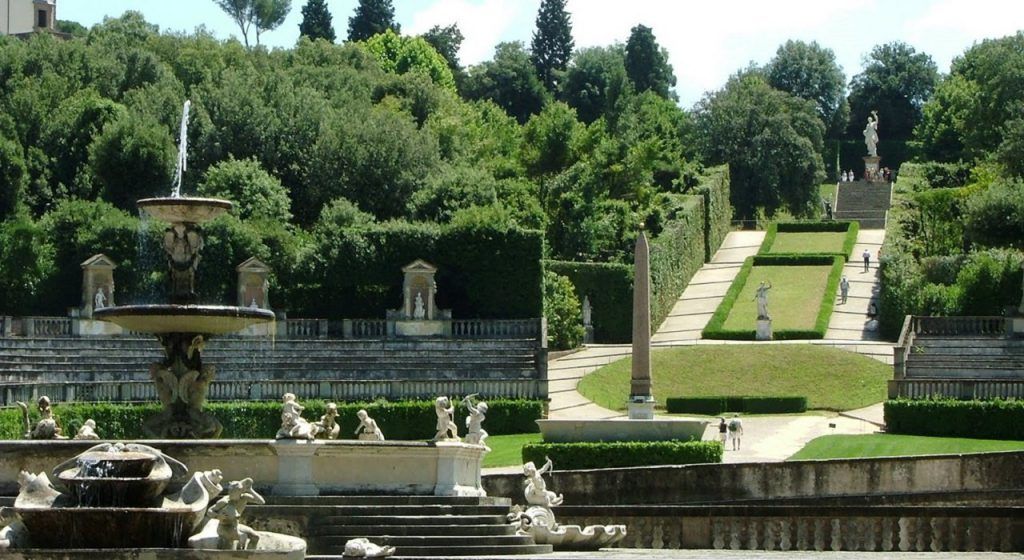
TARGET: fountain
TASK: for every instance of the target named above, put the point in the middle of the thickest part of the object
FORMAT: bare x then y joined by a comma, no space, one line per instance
183,326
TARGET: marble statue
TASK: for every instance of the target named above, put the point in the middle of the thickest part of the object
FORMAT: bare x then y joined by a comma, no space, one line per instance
327,427
475,433
293,425
100,301
538,520
88,430
587,311
182,244
363,548
871,134
368,429
419,312
762,301
231,534
446,428
46,427
1020,308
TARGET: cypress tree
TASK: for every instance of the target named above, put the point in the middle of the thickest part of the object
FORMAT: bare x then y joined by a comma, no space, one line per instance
372,17
316,21
647,63
552,41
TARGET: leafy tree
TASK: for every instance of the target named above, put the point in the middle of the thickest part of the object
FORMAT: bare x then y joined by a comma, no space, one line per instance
72,28
771,141
26,260
241,12
810,71
13,177
595,81
548,139
562,309
896,81
647,63
400,55
341,214
552,43
995,216
446,41
316,21
453,189
258,15
509,81
372,17
131,159
1011,150
257,194
67,136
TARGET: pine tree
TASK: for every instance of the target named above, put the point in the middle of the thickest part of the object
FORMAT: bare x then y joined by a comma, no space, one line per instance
316,21
372,17
552,41
647,63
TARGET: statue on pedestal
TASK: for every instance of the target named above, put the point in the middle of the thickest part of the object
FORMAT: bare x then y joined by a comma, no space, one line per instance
446,428
871,134
475,433
46,427
762,300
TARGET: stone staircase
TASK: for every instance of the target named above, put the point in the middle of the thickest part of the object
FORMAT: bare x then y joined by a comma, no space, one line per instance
417,526
966,357
863,202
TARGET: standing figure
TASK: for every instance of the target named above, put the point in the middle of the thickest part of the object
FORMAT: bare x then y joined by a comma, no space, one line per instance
419,312
537,493
475,432
762,300
100,301
844,289
871,134
867,259
368,429
232,534
736,432
844,178
446,428
723,430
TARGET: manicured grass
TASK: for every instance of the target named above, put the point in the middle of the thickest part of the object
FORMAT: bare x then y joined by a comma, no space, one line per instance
808,242
793,301
828,192
891,445
507,450
830,379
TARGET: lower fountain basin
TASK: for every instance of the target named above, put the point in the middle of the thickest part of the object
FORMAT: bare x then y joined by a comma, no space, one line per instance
87,527
206,319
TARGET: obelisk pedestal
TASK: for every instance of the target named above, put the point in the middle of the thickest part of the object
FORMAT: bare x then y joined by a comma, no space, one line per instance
641,399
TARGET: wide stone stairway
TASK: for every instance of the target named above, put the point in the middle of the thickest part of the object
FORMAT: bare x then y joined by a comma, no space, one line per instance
863,202
417,526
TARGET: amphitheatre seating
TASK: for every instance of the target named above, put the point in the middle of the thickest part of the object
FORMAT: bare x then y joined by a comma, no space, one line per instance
864,202
960,357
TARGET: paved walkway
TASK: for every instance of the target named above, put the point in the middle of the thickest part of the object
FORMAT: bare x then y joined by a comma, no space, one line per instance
662,554
850,320
766,438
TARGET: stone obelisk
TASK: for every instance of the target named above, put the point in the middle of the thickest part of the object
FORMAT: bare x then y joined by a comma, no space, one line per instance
641,400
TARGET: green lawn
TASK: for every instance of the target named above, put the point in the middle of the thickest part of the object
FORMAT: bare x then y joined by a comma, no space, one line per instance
892,445
507,451
793,301
830,379
808,242
828,192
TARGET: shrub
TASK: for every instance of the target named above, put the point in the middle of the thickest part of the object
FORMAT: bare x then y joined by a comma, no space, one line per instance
562,309
402,420
751,405
995,419
604,455
995,216
988,282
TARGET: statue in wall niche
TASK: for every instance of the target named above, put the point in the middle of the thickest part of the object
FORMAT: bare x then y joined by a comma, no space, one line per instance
419,312
762,301
587,311
871,134
475,433
446,427
182,244
327,427
46,427
100,301
88,430
231,534
368,429
537,493
363,548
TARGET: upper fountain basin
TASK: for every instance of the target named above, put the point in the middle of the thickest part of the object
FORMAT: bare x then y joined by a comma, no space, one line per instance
203,319
184,210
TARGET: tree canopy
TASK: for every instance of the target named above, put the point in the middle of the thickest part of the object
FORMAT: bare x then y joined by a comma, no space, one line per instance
896,81
317,22
370,18
509,81
552,43
810,71
258,15
647,63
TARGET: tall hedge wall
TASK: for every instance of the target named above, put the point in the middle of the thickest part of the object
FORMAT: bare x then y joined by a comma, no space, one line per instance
676,255
995,419
610,289
482,272
714,187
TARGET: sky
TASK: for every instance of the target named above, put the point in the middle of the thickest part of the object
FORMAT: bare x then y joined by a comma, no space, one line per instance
707,41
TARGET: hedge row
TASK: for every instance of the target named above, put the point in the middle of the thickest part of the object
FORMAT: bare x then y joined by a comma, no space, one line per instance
851,229
714,187
715,328
676,255
995,419
610,289
403,420
603,455
751,405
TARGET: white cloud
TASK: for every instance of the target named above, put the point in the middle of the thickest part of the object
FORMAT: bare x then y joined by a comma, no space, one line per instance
483,23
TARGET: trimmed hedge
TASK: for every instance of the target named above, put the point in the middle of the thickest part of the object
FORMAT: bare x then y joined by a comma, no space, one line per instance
720,404
851,229
995,419
714,187
714,329
676,255
605,455
402,420
610,289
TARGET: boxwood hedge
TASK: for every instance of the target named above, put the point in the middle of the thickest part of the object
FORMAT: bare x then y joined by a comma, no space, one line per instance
600,455
994,419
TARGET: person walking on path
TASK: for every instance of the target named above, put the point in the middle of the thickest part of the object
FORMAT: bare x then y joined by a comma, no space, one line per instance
722,430
736,432
844,289
867,259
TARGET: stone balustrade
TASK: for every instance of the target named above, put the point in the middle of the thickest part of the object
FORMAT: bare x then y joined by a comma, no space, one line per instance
954,326
970,389
45,326
305,328
810,528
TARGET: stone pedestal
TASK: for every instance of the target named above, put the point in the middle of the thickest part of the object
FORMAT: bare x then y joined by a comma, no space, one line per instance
295,468
641,408
764,329
423,328
872,169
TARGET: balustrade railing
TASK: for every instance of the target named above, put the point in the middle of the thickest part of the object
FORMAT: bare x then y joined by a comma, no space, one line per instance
305,328
46,326
491,328
915,325
981,389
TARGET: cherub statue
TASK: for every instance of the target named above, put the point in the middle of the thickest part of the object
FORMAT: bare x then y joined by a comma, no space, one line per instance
293,425
46,427
475,432
368,429
289,405
363,548
229,509
327,427
88,430
182,245
537,493
446,427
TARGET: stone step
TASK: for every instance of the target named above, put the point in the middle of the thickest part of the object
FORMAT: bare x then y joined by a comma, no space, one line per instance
458,551
329,500
399,541
961,373
425,520
339,513
372,531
